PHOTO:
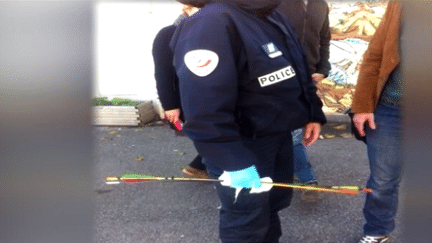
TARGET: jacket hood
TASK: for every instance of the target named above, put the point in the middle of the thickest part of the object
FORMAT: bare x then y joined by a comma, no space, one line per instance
260,8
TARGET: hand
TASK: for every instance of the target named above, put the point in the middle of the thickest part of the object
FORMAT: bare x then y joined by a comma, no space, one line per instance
172,115
311,133
246,178
266,185
317,77
359,122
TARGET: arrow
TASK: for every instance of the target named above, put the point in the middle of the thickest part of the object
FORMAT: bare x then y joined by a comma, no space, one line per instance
142,178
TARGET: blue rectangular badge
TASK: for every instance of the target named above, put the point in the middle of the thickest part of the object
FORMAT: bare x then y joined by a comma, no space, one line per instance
271,50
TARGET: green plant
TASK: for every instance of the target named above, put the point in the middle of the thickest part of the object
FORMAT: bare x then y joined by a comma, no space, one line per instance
102,101
124,102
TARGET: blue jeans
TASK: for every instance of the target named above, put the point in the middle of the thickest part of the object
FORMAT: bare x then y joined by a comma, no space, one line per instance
385,162
302,167
253,218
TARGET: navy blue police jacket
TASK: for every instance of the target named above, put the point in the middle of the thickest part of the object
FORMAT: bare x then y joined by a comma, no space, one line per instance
240,76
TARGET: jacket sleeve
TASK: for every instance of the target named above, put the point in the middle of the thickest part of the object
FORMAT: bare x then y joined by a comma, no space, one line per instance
324,66
365,95
209,99
164,70
317,114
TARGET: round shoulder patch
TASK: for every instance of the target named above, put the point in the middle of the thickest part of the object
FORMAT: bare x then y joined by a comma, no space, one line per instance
201,62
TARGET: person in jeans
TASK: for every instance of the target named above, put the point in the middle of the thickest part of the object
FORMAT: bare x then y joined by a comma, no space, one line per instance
377,115
310,19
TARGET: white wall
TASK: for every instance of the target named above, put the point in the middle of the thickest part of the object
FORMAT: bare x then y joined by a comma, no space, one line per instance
124,34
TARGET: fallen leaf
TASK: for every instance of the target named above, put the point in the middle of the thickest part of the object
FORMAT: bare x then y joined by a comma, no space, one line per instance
329,136
346,135
112,132
152,137
139,158
340,127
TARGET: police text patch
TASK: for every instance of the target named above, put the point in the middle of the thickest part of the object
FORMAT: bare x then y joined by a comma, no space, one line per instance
201,62
277,76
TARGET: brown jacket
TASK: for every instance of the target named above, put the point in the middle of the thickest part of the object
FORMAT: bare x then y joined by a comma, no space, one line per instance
381,57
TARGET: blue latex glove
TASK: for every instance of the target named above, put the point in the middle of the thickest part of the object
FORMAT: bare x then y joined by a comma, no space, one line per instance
246,178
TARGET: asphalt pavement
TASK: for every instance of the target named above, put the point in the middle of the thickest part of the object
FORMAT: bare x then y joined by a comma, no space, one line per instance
187,212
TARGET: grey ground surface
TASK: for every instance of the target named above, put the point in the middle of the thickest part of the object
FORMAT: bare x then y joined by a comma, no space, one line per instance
174,212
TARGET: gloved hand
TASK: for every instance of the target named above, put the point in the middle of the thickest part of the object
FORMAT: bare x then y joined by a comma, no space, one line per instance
246,178
266,185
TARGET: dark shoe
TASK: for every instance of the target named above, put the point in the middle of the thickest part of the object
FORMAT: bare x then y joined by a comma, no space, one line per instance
373,239
195,172
310,196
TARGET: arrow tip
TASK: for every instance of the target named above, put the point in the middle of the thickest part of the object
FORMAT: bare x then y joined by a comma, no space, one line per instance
112,180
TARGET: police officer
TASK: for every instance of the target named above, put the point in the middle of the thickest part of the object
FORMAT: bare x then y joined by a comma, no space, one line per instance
245,85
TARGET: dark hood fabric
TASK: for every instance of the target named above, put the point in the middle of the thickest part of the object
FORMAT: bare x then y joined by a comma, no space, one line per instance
260,8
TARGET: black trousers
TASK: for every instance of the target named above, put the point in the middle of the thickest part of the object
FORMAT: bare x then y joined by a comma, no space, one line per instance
254,217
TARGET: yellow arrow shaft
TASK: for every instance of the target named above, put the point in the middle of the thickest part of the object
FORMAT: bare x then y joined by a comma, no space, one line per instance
312,188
